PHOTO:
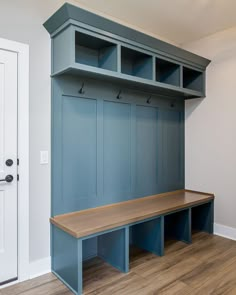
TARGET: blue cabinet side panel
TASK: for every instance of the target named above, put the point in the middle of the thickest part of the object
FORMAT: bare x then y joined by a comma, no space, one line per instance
65,257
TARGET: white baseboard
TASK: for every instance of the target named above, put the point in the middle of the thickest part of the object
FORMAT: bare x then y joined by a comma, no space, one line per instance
225,231
40,267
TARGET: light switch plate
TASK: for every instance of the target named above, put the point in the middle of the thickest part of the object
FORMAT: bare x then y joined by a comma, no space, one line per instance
43,157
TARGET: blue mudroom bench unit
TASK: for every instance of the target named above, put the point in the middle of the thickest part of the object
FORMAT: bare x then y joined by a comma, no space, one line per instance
118,142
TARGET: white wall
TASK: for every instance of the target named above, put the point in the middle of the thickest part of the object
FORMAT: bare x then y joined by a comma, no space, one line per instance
22,21
211,127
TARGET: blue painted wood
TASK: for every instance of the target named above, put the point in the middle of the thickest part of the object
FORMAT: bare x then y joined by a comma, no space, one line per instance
79,152
117,151
178,226
107,150
95,52
65,258
90,248
151,87
127,239
83,17
193,79
167,72
113,247
68,253
149,236
136,63
62,54
172,150
80,266
65,283
203,217
147,149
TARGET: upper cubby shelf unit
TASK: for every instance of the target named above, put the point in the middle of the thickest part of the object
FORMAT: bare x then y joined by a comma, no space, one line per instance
95,52
86,44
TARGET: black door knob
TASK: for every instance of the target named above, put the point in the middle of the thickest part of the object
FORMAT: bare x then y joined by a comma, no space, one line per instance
9,162
8,178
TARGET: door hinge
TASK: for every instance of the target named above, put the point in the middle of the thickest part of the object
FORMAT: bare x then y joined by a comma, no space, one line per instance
18,177
18,162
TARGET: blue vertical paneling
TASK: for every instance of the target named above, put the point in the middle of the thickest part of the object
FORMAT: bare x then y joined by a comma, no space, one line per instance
106,151
117,150
172,156
79,152
146,150
100,182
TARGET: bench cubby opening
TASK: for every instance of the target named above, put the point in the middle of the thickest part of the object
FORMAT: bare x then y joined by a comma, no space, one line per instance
167,72
193,79
92,51
177,226
148,235
202,218
109,253
71,255
136,63
112,248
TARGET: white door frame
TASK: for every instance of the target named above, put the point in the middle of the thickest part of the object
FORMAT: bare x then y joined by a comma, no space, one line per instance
22,51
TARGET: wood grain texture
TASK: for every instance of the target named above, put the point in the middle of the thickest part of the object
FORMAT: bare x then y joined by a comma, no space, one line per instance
206,267
83,223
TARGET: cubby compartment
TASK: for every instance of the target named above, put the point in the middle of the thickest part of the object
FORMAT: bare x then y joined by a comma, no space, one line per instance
202,218
111,247
193,79
96,52
148,236
177,226
167,72
103,258
135,63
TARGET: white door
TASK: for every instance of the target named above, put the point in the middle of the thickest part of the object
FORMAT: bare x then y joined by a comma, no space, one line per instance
8,166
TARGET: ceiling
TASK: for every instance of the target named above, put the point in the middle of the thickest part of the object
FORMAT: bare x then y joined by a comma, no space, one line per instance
176,21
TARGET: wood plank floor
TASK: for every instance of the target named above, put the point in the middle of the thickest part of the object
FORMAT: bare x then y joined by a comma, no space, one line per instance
207,266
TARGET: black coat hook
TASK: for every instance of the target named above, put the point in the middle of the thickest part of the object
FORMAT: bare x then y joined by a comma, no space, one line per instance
172,104
149,99
81,91
119,95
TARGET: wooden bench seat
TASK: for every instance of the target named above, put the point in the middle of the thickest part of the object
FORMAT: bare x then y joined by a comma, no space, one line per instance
91,221
111,230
